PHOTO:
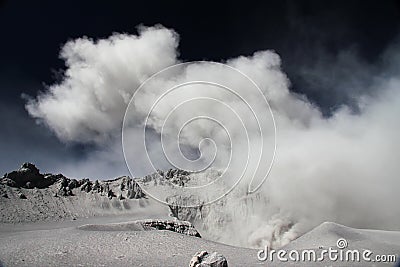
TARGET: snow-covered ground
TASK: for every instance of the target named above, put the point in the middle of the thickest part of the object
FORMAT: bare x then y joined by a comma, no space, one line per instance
64,244
96,228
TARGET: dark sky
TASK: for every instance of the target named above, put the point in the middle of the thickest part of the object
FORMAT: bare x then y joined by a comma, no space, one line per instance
306,34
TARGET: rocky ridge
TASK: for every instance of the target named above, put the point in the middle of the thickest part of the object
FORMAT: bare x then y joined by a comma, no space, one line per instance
174,176
27,195
181,227
28,176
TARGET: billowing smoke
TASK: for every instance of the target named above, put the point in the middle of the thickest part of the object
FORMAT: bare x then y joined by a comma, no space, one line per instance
342,168
101,76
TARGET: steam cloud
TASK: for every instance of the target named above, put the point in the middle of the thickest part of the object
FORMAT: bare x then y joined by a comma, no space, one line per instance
342,168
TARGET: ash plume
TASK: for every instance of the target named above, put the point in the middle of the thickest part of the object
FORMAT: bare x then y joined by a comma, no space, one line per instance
341,168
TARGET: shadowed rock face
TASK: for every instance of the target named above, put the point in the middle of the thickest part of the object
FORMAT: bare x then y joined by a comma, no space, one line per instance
182,227
178,207
174,176
28,176
26,195
133,188
178,204
44,189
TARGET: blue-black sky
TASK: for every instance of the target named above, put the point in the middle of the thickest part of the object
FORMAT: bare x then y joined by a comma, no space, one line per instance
310,37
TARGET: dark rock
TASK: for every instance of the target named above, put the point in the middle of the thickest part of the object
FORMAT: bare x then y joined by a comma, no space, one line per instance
204,259
175,176
27,176
9,182
178,177
55,177
96,186
26,173
81,182
177,226
102,189
21,196
110,194
65,192
87,186
134,190
73,183
63,187
28,165
64,182
4,195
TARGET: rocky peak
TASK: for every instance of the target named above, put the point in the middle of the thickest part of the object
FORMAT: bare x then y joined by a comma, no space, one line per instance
28,167
175,176
27,176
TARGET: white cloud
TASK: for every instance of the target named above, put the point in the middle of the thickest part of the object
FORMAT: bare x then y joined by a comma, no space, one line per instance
343,168
101,76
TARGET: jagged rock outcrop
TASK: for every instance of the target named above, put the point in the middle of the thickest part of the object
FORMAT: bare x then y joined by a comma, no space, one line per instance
8,182
175,176
41,188
178,177
73,183
21,196
134,190
26,195
28,176
63,187
180,207
182,227
86,186
204,259
110,194
96,187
